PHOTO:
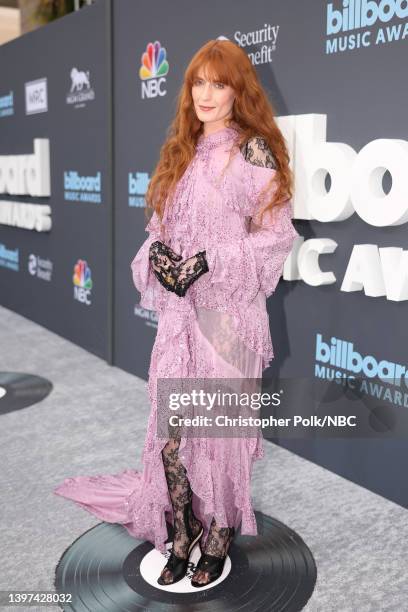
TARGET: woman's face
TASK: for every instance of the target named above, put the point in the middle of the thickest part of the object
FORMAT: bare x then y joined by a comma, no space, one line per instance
212,100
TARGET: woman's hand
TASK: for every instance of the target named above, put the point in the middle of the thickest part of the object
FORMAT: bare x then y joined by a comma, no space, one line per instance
163,261
188,272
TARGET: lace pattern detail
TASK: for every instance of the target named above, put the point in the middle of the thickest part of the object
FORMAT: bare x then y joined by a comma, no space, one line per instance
220,327
217,210
219,470
257,152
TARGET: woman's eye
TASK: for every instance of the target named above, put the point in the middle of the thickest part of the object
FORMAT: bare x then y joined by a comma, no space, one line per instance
220,85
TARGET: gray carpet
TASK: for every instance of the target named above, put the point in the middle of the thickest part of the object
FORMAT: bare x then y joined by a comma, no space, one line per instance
94,422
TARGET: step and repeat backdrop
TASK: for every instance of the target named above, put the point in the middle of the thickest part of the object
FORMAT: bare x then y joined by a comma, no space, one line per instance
85,104
54,154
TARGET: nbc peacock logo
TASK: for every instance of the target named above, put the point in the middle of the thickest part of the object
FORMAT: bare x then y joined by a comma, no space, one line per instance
82,280
153,70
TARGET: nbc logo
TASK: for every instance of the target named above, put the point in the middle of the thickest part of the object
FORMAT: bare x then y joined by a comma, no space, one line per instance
82,282
153,70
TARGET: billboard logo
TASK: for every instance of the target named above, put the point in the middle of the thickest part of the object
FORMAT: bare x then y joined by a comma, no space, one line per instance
7,105
81,90
79,188
153,70
137,187
36,98
82,280
362,15
26,174
9,258
339,359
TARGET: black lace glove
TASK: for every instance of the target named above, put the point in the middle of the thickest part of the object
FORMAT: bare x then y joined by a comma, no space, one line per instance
189,271
163,261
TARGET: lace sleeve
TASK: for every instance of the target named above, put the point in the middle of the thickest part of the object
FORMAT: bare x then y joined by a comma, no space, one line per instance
143,278
257,152
256,262
154,226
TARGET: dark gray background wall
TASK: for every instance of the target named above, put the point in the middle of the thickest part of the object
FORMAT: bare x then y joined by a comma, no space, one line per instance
361,92
78,142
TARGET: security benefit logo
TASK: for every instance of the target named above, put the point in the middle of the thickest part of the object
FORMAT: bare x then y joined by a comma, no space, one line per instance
40,267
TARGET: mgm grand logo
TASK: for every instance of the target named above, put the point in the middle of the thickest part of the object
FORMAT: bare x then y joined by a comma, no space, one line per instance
81,90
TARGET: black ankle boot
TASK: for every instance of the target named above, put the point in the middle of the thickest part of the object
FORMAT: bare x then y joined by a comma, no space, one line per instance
177,565
212,564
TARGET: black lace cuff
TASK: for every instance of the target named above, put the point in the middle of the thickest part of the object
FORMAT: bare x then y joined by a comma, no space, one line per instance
163,261
189,271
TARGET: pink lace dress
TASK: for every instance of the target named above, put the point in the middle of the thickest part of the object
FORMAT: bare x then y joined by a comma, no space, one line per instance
219,329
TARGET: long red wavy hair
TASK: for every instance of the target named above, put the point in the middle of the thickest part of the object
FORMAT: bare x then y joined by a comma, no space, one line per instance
252,114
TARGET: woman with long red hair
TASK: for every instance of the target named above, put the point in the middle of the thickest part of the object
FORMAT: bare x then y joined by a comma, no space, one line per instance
219,235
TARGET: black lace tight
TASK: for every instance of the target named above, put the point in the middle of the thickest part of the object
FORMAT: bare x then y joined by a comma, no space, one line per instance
217,544
181,494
